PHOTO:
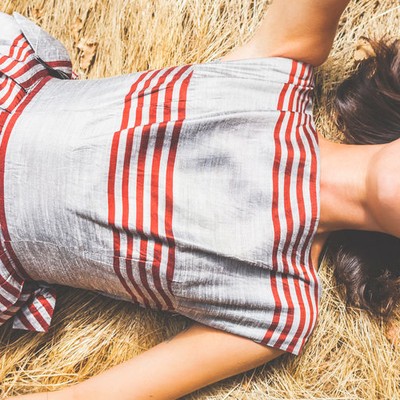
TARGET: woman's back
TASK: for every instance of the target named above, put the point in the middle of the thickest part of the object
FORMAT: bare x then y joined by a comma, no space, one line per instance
192,189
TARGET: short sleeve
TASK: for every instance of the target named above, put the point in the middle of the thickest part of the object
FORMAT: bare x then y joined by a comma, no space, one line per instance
271,308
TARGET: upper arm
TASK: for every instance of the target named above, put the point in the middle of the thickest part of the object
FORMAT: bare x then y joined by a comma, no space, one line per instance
303,30
193,359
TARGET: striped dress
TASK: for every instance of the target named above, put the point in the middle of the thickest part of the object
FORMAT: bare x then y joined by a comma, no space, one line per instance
192,189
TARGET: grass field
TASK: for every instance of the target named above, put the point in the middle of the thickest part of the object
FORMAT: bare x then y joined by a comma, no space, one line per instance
348,355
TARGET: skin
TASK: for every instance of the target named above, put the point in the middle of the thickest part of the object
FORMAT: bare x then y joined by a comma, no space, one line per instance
356,177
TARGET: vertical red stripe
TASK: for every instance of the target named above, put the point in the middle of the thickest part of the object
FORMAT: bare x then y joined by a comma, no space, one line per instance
287,179
3,118
275,205
303,269
4,83
140,186
290,180
314,212
300,269
155,171
21,47
14,45
125,183
169,178
111,188
302,251
307,242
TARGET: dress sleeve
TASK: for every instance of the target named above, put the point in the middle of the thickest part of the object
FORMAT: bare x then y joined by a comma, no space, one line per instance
269,307
28,55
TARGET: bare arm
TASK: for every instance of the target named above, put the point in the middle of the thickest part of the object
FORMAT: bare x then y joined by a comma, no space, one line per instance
303,30
191,360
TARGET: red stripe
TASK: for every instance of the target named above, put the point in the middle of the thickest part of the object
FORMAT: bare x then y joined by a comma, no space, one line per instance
170,175
314,211
159,145
35,313
111,211
138,122
60,64
306,241
140,174
129,252
155,171
3,148
4,301
24,321
308,237
12,290
3,118
288,179
28,53
302,210
4,83
9,91
275,205
17,98
125,182
301,272
45,303
111,191
14,45
302,221
22,46
34,78
128,100
24,67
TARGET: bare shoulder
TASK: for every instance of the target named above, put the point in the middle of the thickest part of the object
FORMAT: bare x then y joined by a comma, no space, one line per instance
384,187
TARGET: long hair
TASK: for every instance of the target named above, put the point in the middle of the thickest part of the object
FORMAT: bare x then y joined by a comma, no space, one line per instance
367,111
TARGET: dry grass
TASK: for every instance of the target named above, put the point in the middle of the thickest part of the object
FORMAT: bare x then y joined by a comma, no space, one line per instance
348,356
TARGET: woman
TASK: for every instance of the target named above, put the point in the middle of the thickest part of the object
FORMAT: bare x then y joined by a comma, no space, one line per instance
65,132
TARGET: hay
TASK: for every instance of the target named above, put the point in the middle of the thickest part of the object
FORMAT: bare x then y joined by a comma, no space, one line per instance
348,356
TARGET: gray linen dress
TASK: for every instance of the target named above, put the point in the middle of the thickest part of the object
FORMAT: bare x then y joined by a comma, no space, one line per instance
192,189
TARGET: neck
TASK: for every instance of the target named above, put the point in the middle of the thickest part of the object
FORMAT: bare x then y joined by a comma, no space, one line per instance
344,186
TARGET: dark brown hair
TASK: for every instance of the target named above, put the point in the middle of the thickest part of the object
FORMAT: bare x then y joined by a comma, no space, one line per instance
367,111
